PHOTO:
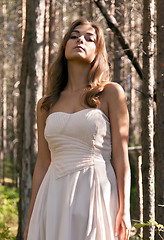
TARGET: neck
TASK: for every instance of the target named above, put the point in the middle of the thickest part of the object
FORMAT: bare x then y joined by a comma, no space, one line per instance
77,75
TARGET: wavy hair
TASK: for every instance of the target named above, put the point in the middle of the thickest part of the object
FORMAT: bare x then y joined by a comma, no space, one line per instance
98,75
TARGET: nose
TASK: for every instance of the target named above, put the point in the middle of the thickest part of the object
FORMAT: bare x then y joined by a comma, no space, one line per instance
81,39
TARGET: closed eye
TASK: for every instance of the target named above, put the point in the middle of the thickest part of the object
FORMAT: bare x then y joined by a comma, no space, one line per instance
88,39
73,37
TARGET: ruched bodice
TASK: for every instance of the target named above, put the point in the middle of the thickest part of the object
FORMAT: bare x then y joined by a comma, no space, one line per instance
77,142
78,197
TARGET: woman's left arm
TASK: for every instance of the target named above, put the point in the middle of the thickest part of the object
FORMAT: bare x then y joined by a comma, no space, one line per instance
119,119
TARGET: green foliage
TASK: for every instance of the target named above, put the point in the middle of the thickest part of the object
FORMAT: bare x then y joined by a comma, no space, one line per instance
137,225
8,212
5,232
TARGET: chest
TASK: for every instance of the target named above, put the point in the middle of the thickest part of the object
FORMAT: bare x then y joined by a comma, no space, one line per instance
70,103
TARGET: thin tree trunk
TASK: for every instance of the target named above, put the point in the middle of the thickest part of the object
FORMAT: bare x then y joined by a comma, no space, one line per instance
117,47
134,83
4,89
52,29
23,18
17,65
147,118
40,14
140,191
159,146
46,47
111,4
124,60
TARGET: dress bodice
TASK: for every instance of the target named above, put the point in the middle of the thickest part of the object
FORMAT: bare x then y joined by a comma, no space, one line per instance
78,140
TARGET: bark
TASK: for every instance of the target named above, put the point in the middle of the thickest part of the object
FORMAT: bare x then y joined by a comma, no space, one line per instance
113,25
140,191
15,93
147,117
159,146
135,29
110,41
124,62
52,29
30,90
4,91
26,118
23,18
46,29
117,47
132,82
40,14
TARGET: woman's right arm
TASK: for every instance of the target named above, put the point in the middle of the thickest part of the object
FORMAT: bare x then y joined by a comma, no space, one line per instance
43,160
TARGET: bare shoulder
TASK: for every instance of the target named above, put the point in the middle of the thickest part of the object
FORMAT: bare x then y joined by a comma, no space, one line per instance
115,99
114,92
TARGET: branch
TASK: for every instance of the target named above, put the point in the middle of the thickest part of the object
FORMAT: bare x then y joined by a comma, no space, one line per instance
113,25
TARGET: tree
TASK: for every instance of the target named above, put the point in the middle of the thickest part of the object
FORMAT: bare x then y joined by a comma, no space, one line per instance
147,117
119,13
159,146
4,90
30,90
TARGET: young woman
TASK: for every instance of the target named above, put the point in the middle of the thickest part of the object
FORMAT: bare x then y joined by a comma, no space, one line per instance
81,182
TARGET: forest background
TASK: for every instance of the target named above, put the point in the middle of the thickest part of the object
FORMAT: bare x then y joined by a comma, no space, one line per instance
30,34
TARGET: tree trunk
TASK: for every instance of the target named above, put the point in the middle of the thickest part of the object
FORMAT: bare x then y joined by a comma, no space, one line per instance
4,91
117,48
46,47
26,116
30,90
15,92
134,81
23,18
159,146
40,11
147,117
52,29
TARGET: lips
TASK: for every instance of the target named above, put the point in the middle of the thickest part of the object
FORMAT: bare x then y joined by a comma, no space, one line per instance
79,47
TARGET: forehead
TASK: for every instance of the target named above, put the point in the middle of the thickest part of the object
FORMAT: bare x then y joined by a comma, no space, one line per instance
85,29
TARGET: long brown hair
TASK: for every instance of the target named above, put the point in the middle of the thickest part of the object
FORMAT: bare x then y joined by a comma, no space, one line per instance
98,76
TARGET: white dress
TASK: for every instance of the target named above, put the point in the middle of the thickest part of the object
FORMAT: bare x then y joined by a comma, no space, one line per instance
78,197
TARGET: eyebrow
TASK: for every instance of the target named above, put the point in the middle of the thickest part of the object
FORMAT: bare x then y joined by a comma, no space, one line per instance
89,33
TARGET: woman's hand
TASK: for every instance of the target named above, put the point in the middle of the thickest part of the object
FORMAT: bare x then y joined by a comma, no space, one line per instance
122,226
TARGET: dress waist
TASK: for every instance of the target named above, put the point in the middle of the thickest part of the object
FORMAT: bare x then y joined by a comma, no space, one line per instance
65,164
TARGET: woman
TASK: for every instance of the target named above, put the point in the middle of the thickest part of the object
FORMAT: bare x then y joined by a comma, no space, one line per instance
79,192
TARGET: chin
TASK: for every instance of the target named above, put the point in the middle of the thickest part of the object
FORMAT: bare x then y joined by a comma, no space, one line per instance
79,58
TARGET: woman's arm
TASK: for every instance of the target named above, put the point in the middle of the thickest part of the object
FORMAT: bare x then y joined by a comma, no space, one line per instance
119,119
43,160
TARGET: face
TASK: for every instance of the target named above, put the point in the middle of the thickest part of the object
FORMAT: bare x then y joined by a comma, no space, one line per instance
81,45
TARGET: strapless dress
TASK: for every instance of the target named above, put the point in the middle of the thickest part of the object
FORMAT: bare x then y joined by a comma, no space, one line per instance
78,197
